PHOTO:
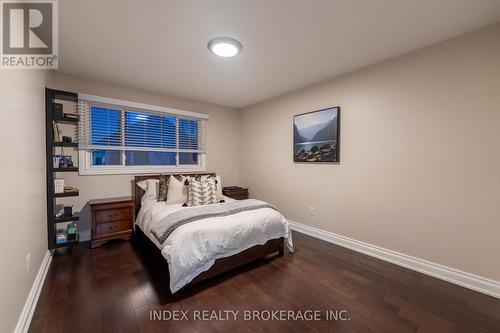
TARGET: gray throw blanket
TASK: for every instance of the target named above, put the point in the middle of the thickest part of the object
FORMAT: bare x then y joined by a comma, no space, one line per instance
190,214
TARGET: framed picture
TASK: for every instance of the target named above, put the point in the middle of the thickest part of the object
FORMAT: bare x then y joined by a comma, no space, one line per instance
316,136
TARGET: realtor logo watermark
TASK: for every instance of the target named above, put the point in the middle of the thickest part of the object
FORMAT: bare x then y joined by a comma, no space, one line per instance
29,34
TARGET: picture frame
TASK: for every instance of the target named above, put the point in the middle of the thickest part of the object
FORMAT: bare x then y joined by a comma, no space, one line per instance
316,136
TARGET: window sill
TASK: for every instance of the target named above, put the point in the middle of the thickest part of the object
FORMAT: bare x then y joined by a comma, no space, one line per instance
86,169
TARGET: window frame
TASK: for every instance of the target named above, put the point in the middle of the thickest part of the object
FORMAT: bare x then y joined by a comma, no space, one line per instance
85,155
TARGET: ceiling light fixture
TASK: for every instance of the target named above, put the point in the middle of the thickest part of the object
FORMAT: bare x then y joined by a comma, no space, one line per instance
224,47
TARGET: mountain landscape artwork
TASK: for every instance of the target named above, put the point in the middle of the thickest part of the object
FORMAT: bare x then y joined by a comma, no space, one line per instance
316,136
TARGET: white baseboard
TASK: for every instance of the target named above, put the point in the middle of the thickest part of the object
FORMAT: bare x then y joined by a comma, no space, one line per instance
84,236
464,279
24,321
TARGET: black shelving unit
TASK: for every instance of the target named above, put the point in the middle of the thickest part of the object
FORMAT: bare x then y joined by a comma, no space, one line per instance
51,96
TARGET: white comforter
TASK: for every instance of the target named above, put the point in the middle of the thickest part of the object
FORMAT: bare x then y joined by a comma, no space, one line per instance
193,247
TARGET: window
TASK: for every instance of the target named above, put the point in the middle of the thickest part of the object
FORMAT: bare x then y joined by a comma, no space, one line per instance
117,137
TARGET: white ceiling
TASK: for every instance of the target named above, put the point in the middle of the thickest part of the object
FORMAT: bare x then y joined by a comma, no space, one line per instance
287,44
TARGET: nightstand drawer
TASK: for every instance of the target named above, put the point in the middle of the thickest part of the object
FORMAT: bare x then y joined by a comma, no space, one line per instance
111,215
239,196
112,227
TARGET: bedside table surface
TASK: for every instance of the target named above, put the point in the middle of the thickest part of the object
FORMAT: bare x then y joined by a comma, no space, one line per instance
109,200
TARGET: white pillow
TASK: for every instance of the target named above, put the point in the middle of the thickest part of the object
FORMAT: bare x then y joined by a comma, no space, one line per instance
218,186
151,189
177,191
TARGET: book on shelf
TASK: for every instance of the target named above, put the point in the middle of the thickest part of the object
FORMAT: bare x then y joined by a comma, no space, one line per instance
55,131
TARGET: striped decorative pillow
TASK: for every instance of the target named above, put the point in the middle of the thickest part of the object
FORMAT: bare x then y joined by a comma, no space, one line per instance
218,185
163,188
202,192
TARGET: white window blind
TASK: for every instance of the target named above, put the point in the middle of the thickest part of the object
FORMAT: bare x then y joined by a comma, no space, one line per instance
129,134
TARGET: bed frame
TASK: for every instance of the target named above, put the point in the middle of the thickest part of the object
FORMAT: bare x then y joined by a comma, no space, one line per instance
273,246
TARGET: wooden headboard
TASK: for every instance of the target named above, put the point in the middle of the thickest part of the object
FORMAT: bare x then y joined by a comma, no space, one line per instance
139,192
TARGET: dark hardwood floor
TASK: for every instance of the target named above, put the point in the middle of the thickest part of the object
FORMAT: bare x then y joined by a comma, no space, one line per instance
113,288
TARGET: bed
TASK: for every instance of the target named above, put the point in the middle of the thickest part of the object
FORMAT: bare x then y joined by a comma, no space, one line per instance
209,246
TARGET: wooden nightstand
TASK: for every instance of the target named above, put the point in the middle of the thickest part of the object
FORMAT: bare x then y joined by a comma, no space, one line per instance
111,218
235,192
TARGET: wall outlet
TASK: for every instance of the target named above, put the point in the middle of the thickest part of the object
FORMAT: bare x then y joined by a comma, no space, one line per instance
312,211
27,263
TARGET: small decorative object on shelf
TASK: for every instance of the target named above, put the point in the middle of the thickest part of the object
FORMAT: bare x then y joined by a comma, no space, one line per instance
70,189
67,139
61,237
235,192
68,211
68,236
60,213
58,110
71,115
59,185
71,231
55,161
65,161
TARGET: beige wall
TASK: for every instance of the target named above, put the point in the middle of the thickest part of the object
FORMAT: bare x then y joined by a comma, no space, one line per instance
420,157
24,227
222,140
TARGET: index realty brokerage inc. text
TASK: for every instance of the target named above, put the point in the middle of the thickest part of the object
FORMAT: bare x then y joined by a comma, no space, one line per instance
265,315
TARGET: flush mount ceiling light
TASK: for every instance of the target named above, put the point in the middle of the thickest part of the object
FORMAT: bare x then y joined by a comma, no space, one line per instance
224,47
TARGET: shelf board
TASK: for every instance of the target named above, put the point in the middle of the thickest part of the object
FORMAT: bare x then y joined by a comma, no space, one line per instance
65,144
63,95
66,120
68,169
75,217
65,194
